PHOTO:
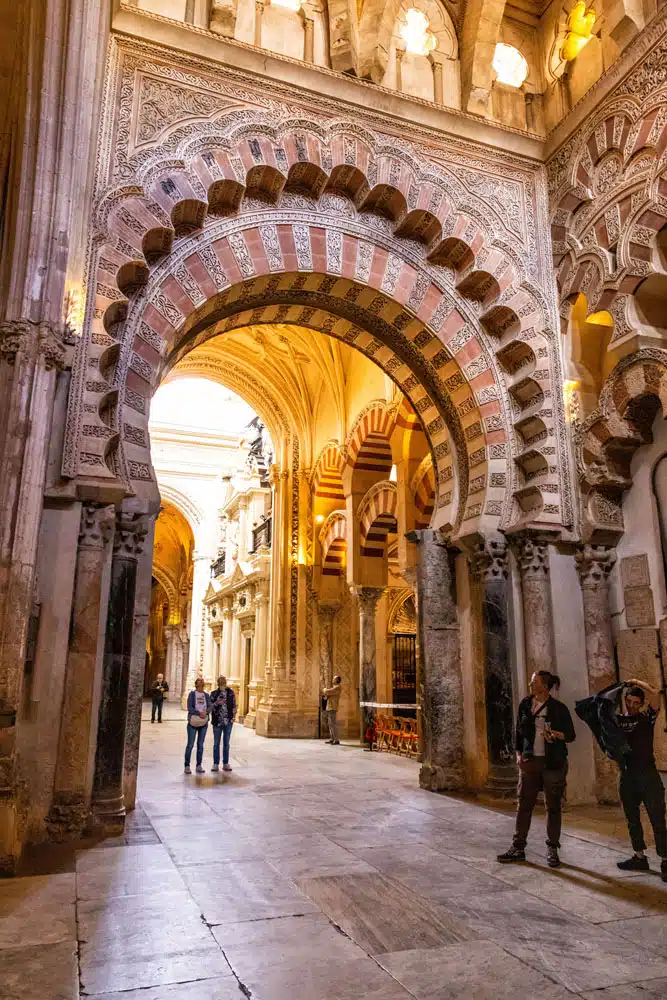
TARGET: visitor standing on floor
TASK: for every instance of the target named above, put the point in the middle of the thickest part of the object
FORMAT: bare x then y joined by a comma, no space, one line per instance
543,730
640,780
223,712
332,696
199,710
158,691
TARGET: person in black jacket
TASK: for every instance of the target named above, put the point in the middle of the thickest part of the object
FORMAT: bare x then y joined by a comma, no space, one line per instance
158,691
223,710
543,730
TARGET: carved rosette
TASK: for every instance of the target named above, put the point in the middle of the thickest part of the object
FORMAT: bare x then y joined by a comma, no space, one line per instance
32,340
594,564
131,531
97,525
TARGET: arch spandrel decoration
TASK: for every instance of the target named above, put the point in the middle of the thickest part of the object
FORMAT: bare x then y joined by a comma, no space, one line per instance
365,255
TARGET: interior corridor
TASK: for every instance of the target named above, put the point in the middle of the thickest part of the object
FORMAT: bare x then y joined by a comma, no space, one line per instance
319,873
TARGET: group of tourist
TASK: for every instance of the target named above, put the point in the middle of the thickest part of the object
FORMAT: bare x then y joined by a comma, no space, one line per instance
220,708
622,718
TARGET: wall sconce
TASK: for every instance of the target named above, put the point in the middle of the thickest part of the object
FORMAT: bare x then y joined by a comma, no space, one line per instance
580,23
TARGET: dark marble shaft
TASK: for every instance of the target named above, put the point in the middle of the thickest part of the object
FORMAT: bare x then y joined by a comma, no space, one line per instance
498,677
108,801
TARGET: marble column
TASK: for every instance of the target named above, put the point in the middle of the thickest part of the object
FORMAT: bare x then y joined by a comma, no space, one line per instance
368,598
226,645
489,566
532,553
31,354
70,809
256,685
443,748
135,693
200,580
259,13
308,40
399,69
243,529
435,58
594,565
108,800
327,611
174,660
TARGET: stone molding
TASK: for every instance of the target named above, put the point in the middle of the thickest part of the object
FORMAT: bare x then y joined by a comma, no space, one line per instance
43,339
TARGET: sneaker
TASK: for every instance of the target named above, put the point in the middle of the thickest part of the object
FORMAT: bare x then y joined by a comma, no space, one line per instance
514,854
663,869
329,741
634,864
226,767
552,857
215,768
187,771
336,743
199,769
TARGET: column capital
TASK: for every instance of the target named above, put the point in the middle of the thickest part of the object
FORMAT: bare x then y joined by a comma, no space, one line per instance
368,598
97,525
594,564
20,336
488,561
131,531
437,536
328,609
532,553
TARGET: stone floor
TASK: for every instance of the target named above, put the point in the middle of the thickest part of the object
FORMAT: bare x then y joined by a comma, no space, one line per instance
321,873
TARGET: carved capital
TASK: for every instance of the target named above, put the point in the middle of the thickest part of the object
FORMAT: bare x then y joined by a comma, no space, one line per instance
532,556
96,528
131,531
328,610
488,561
368,598
32,340
594,564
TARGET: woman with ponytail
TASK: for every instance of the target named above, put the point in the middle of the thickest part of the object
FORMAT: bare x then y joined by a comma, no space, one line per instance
543,730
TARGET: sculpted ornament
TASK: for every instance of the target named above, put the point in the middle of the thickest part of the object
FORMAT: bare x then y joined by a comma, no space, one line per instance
97,525
532,556
489,561
594,564
32,339
131,531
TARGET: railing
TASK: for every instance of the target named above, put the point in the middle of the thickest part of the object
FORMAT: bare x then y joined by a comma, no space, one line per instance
218,566
261,535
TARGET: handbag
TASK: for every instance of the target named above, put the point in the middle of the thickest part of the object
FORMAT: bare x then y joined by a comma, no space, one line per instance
197,721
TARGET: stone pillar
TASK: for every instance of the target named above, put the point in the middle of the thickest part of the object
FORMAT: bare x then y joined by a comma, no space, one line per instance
256,685
309,39
594,564
234,675
489,564
443,748
108,801
70,810
31,354
435,59
200,580
532,553
368,598
399,69
259,13
327,611
243,529
174,660
135,694
226,650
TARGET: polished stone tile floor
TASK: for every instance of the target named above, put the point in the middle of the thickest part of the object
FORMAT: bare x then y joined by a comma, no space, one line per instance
324,873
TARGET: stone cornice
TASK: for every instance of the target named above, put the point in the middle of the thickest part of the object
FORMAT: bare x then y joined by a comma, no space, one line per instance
626,63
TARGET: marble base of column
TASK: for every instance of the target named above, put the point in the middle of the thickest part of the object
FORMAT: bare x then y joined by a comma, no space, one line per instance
280,716
108,800
441,683
255,689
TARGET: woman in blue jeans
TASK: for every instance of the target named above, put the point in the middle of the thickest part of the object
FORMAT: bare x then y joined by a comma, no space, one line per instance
223,710
199,709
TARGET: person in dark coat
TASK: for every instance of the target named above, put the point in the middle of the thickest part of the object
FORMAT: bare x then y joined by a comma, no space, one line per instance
158,690
223,711
543,730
